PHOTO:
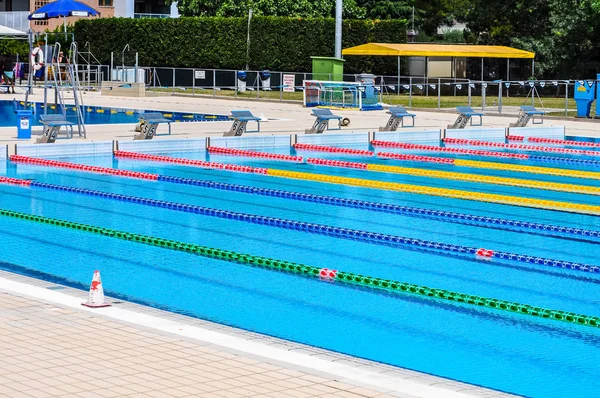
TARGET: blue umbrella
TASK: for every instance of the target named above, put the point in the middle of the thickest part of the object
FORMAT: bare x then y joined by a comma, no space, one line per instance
63,9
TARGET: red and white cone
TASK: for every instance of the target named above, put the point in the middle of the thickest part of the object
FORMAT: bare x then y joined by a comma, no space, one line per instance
96,296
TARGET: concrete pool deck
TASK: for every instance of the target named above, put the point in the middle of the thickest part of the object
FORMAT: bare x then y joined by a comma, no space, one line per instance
54,347
290,118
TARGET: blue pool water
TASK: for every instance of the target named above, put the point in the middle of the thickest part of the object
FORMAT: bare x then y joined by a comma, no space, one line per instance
504,351
100,115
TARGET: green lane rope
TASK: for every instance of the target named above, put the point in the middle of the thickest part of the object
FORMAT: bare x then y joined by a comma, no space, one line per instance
315,272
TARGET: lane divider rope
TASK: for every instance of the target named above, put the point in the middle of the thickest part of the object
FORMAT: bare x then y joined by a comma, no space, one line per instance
440,215
554,141
326,230
520,147
494,166
254,154
477,152
323,274
433,148
448,175
443,192
331,149
389,186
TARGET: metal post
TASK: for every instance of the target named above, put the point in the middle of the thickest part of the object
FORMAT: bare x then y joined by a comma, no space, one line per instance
469,91
410,92
45,70
235,79
248,39
257,85
454,73
135,69
214,82
173,86
426,78
112,55
280,86
533,68
483,92
500,97
398,92
439,93
338,28
481,69
193,83
507,76
566,99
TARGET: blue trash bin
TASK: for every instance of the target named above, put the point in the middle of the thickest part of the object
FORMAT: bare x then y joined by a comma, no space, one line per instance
24,124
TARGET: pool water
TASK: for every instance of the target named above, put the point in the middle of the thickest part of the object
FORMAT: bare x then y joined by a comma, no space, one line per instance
99,115
499,350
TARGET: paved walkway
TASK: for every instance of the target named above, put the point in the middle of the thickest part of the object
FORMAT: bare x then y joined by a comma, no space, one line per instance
290,118
51,346
52,351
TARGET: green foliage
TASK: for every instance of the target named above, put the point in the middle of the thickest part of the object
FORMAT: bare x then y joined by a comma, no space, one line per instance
387,9
277,43
283,8
12,47
453,36
562,33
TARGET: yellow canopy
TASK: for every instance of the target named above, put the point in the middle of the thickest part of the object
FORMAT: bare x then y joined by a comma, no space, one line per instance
437,50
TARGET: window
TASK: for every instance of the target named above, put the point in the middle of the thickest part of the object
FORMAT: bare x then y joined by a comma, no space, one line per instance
105,3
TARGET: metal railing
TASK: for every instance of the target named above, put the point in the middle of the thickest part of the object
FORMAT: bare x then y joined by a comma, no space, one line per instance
15,20
410,91
145,15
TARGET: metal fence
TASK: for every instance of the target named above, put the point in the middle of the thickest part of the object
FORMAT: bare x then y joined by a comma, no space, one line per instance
15,20
410,91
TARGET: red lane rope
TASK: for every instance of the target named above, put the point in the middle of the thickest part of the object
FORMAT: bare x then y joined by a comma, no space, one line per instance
330,149
254,154
188,162
432,148
522,147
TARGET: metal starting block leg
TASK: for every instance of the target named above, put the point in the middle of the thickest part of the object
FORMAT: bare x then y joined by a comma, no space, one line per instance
522,121
460,122
49,135
147,131
392,124
318,127
237,128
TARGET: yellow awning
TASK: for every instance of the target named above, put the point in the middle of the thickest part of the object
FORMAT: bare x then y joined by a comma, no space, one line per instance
437,50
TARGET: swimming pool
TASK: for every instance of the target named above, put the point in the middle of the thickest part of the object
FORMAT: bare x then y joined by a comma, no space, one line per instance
497,349
102,115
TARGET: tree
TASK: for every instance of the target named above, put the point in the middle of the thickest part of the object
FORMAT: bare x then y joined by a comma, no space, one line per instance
387,9
287,8
562,33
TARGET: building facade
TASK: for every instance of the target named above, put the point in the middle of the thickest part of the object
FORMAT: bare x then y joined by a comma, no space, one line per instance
14,13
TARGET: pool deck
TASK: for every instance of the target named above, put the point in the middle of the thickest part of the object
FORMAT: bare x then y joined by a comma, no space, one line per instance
290,118
53,347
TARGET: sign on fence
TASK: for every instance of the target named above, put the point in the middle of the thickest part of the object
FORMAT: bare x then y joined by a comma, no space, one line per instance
288,83
200,74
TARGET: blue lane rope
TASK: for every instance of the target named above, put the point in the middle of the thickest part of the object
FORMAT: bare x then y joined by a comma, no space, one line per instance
557,160
446,216
338,232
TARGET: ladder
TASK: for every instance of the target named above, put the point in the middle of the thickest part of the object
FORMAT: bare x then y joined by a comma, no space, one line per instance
57,85
73,76
72,81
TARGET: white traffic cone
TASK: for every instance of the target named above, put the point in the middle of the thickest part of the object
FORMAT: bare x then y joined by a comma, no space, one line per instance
96,296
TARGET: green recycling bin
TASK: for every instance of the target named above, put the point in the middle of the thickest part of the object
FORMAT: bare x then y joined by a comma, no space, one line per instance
328,69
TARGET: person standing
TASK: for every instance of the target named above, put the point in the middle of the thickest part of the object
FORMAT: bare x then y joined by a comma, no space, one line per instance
8,74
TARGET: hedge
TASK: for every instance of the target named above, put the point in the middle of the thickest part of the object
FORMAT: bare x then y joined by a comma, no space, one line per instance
277,43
